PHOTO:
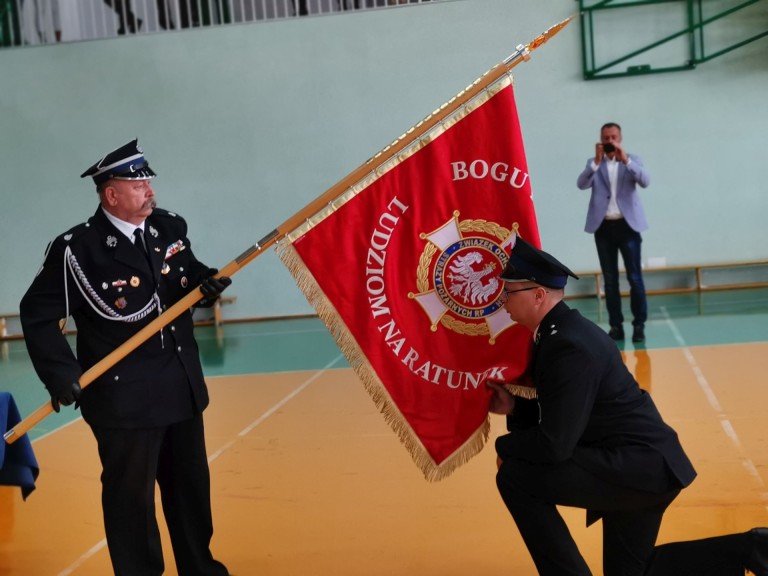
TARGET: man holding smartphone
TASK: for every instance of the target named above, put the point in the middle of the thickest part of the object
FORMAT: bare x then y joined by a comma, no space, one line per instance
616,217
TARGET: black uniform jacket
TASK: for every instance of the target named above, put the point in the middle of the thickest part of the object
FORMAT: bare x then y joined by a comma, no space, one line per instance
96,275
590,409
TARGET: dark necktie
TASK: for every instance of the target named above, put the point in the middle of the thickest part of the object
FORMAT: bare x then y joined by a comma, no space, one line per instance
138,236
139,241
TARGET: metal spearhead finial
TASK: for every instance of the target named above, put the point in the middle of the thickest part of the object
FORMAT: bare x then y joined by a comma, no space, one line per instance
523,51
547,34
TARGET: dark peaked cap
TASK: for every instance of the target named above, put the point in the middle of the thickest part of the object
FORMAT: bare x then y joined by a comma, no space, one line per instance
529,263
125,163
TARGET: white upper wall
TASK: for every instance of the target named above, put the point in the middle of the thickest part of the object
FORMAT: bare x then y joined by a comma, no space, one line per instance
246,124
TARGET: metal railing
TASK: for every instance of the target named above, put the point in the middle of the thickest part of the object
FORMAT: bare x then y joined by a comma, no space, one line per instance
32,22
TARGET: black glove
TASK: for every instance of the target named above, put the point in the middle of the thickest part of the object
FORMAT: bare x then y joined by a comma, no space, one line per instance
64,395
212,287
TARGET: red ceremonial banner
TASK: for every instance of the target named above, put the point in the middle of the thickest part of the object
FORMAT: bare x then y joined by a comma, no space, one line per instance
403,268
401,260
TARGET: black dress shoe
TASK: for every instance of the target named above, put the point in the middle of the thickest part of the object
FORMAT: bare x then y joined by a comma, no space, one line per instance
638,334
756,554
616,332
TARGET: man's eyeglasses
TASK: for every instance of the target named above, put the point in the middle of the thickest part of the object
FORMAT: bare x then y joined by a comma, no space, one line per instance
506,293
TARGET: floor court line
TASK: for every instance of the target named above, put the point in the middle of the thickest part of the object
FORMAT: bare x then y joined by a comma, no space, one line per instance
245,431
725,422
84,558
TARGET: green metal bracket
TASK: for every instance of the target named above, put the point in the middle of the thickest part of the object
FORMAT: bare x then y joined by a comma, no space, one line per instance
694,32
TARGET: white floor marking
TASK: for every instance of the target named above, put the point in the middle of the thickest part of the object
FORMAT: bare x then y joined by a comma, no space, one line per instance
725,423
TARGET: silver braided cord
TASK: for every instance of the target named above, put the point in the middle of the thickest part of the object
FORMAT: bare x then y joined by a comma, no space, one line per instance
95,301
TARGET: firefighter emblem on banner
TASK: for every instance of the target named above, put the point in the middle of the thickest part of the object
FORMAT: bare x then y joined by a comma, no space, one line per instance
457,277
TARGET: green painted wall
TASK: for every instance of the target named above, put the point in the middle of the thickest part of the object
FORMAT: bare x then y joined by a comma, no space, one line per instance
247,124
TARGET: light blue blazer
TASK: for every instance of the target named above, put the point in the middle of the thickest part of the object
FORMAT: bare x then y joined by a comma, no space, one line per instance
627,196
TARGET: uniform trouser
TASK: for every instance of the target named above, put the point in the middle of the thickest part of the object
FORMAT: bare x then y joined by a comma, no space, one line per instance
631,518
132,461
718,556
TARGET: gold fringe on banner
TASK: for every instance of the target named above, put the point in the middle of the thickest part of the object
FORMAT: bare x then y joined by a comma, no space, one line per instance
341,334
371,382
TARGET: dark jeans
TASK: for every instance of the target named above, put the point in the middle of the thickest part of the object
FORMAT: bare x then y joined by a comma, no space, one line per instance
612,237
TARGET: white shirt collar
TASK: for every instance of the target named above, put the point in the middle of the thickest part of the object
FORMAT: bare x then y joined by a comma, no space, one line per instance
125,227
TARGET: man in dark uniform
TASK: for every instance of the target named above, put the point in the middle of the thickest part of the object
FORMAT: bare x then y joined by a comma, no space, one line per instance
592,439
113,275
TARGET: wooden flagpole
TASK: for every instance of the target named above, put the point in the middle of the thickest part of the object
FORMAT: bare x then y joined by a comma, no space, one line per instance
522,53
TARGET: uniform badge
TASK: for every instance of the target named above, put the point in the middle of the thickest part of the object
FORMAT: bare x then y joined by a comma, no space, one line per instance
457,279
165,269
153,232
135,281
174,248
118,283
183,281
111,241
104,285
121,303
67,237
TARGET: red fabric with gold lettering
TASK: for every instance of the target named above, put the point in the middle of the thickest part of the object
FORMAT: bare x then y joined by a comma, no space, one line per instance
418,248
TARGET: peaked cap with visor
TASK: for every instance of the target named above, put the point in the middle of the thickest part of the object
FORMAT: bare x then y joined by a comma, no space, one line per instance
124,163
529,264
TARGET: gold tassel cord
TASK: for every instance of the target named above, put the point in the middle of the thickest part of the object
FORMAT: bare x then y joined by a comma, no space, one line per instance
527,392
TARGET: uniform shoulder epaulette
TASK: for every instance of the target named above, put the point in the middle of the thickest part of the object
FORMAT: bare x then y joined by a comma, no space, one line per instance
75,232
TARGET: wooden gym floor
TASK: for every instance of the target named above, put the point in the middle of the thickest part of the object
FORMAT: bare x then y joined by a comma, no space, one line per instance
308,479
